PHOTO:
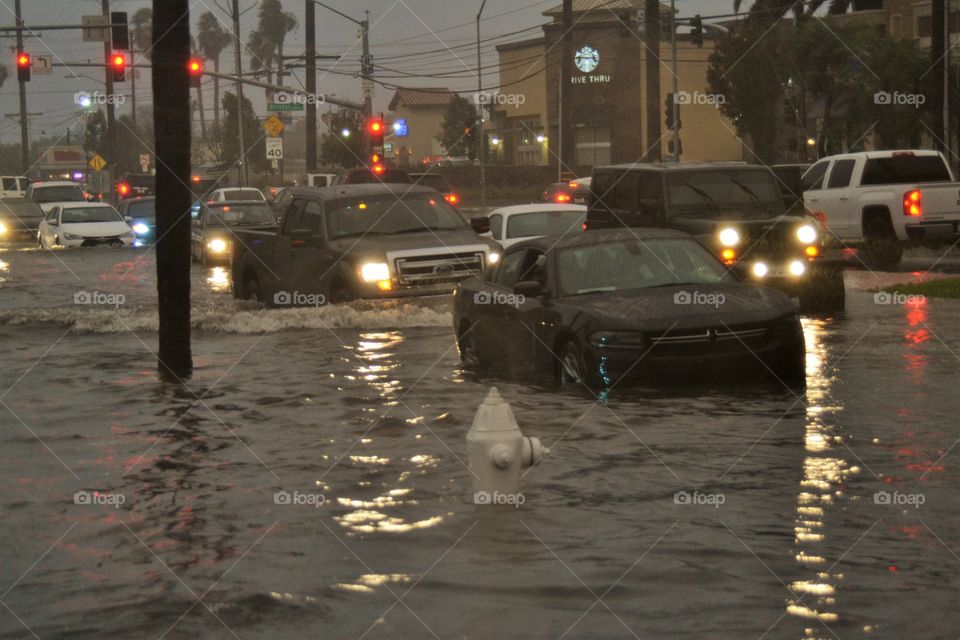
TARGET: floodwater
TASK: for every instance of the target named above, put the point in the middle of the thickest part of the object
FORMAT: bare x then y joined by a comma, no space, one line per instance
309,481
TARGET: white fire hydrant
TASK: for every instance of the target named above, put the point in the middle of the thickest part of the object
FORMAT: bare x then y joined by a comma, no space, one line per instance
497,450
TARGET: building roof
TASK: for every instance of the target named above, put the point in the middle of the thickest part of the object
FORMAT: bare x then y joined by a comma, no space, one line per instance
421,97
586,6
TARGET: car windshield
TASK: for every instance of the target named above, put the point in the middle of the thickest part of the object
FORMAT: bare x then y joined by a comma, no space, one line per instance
20,210
544,223
235,215
750,193
626,265
388,215
142,209
77,215
66,193
242,194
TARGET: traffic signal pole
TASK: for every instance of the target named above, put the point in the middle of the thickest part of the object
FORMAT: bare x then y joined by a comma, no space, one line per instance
244,176
651,18
676,82
311,69
24,131
111,114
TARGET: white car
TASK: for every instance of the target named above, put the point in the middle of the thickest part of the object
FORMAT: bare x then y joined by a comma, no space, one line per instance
82,224
49,193
510,225
13,186
236,194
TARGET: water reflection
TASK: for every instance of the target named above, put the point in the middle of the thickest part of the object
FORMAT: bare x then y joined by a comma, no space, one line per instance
821,486
218,279
4,269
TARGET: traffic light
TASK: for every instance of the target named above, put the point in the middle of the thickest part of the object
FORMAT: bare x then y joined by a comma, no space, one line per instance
119,33
23,66
195,69
375,129
118,65
697,34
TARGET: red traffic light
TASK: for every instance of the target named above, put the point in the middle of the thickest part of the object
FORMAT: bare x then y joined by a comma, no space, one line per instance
118,61
375,126
23,60
123,188
195,66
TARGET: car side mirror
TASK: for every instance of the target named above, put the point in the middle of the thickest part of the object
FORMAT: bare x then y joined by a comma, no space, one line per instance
480,224
529,288
127,219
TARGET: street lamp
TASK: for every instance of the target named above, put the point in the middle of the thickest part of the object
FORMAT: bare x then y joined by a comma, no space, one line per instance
483,144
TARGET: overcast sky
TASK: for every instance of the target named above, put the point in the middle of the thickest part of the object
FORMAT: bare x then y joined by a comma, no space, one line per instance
407,36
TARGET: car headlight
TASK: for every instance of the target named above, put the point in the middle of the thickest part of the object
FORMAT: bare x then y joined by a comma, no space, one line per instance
70,236
729,237
375,272
493,258
807,234
217,245
760,269
3,228
140,229
797,268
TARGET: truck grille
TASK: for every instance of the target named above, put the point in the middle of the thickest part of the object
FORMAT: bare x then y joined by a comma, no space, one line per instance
763,243
450,268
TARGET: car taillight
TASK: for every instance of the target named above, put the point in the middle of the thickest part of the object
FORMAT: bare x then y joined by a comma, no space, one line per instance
584,226
451,198
561,198
913,203
123,188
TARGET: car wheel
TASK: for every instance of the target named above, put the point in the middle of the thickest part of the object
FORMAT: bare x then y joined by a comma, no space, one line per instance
824,291
341,292
790,366
570,368
252,291
881,247
469,354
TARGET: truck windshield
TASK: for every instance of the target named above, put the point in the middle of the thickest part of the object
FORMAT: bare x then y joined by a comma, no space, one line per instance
389,215
907,169
750,193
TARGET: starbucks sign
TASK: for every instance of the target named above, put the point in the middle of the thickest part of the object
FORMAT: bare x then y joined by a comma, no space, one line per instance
587,59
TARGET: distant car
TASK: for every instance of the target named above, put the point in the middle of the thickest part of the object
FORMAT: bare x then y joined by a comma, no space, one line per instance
317,179
572,192
213,229
510,225
236,194
84,224
643,304
365,175
19,219
439,182
144,218
133,185
13,186
47,194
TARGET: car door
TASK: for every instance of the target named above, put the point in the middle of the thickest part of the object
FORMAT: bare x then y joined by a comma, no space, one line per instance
835,199
813,184
489,319
50,227
311,263
523,318
196,230
496,227
288,249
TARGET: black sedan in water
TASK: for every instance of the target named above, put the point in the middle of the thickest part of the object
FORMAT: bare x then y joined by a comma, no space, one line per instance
646,304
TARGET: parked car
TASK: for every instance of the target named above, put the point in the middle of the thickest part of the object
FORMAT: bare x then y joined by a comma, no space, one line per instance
52,192
13,186
737,211
639,304
571,192
84,224
19,219
510,225
142,212
360,241
214,229
878,200
365,175
236,194
317,179
439,182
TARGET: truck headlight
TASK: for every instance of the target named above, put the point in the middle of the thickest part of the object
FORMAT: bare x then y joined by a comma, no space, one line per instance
760,270
807,234
217,245
797,268
375,272
492,258
3,229
729,237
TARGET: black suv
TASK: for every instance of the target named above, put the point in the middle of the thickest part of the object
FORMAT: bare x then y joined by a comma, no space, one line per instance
736,210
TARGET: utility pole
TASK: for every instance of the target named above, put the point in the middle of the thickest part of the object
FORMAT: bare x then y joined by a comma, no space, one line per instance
111,113
367,66
939,26
478,132
947,48
24,131
565,130
651,39
311,67
243,175
676,83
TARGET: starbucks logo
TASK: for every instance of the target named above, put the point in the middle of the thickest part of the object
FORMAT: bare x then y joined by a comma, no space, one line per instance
587,59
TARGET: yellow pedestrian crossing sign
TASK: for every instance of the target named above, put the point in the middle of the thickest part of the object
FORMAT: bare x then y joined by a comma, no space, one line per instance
273,126
97,162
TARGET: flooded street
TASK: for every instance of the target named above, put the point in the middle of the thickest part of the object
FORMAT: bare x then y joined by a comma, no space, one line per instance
310,480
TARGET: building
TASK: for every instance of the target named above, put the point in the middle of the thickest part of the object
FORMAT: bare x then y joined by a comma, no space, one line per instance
606,92
417,116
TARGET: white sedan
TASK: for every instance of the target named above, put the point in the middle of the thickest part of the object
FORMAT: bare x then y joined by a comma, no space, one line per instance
510,225
84,224
236,194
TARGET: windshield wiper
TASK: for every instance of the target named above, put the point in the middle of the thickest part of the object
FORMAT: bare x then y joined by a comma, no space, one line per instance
757,203
420,229
674,284
596,290
703,194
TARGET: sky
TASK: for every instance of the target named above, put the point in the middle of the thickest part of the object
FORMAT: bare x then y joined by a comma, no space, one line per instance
406,36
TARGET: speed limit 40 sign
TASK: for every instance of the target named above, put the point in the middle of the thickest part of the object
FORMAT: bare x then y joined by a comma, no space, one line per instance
274,148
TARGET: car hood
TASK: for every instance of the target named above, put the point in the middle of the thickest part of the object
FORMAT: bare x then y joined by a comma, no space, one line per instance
438,240
47,206
683,306
96,229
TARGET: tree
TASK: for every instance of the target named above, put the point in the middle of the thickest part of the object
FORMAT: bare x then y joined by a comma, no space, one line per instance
769,11
266,42
253,134
341,150
141,37
212,39
458,137
95,138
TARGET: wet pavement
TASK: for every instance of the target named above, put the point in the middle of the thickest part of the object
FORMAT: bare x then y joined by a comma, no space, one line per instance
310,479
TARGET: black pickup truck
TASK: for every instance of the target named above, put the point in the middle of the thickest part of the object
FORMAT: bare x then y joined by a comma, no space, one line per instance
736,210
359,241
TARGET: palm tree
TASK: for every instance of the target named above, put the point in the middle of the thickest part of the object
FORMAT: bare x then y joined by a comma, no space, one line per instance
266,42
142,39
773,10
211,40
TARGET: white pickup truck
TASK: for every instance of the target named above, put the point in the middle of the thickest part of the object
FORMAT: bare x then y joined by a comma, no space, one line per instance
879,200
